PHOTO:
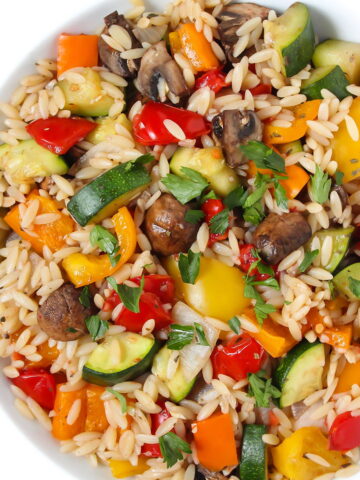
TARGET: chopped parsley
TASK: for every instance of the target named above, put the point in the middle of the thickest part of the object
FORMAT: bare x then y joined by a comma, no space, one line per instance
320,185
261,389
96,327
130,296
339,177
219,223
182,335
106,242
261,308
85,297
185,188
236,198
194,216
189,266
200,335
172,448
263,156
235,325
120,397
354,286
308,259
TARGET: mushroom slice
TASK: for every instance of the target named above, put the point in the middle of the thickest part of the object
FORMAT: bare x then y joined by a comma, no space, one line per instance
110,57
230,19
203,473
234,128
155,64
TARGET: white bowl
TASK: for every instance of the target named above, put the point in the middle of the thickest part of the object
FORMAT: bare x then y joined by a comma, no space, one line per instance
332,18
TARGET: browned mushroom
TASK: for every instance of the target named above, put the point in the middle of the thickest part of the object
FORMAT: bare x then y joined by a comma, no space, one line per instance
166,227
110,57
279,235
155,64
203,473
230,19
234,128
62,316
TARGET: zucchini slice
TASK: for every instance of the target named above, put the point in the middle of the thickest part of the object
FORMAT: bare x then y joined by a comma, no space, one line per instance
253,464
290,148
135,356
28,160
293,36
178,386
340,244
300,372
342,280
339,52
330,77
86,98
103,196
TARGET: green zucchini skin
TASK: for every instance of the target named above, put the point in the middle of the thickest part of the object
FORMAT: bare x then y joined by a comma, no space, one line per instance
331,78
342,279
253,464
299,373
103,196
108,379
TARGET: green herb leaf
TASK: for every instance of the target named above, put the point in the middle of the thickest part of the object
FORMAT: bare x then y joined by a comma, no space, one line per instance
130,296
235,325
200,335
189,266
211,195
280,195
194,216
185,188
106,242
85,297
263,156
180,336
256,195
96,327
71,330
308,259
236,198
262,311
320,185
339,177
171,447
219,223
354,286
121,399
254,214
262,389
268,282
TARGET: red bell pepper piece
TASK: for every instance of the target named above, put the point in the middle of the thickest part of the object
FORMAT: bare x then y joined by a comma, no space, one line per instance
238,357
162,285
38,384
214,79
212,207
153,450
59,134
344,432
150,307
149,128
261,89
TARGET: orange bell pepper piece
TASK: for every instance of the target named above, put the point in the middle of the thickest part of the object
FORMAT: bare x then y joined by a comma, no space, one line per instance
63,402
52,234
86,269
124,469
275,338
304,112
348,377
296,181
96,420
215,442
194,46
76,51
49,355
339,336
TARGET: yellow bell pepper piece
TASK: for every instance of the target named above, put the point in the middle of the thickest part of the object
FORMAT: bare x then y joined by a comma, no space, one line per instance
346,151
124,469
288,457
275,338
349,376
218,290
86,269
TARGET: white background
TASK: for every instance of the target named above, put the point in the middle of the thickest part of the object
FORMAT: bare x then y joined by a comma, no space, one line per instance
24,23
